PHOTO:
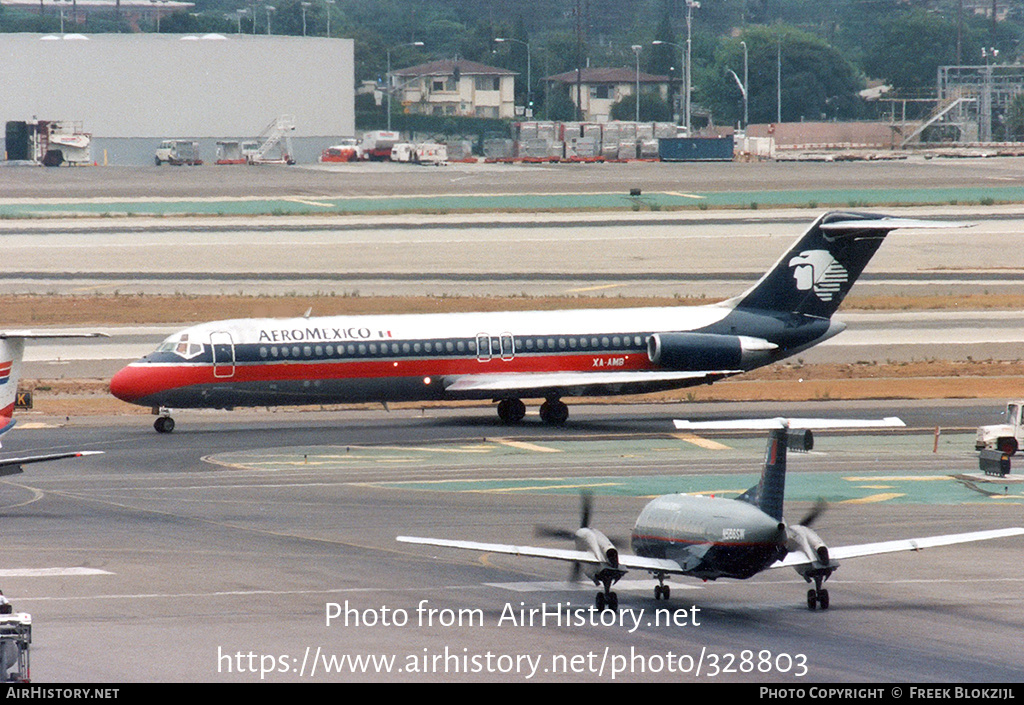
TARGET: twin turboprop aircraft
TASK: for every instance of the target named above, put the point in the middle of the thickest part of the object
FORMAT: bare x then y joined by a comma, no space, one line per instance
712,537
511,356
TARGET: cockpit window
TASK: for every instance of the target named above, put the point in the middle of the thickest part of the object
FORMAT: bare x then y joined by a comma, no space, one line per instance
180,345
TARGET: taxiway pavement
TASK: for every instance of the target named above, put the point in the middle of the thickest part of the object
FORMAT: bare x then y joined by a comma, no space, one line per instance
218,572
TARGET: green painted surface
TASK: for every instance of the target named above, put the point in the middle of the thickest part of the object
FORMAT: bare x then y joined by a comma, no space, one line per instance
643,468
811,198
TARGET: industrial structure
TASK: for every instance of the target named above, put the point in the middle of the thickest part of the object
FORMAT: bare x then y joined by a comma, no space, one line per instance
133,91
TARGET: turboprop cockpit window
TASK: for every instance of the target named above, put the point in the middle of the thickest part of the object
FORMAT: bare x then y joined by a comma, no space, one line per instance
181,346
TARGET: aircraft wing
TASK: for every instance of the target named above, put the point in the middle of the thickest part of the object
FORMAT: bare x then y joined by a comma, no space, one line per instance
873,549
577,383
12,466
558,554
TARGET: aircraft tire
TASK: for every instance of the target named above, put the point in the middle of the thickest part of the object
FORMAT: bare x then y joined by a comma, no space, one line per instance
164,424
823,599
612,602
511,411
812,599
599,602
554,412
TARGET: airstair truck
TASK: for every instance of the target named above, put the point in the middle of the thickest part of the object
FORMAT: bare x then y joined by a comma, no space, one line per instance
1006,437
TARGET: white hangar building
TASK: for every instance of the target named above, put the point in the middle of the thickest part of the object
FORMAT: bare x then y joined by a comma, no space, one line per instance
130,91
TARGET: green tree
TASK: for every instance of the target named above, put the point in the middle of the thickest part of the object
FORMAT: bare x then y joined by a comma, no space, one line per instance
817,82
652,108
909,48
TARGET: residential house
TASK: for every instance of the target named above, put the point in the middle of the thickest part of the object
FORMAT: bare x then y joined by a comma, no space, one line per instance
604,87
456,87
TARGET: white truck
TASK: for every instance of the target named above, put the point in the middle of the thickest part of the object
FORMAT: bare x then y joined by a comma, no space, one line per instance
1006,437
178,153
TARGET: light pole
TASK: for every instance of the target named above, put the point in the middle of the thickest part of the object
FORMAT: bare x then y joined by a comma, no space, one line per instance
239,14
270,8
636,96
682,54
746,87
529,71
304,5
329,3
388,76
690,5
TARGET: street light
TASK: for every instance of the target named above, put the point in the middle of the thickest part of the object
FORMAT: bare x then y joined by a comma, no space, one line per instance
329,3
270,8
239,14
304,5
690,5
388,87
636,97
746,87
529,71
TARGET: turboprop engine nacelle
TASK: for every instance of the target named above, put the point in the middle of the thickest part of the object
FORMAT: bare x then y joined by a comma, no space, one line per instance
806,541
707,351
598,544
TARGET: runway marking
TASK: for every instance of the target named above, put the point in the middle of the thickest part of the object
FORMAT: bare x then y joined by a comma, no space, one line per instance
593,288
308,202
523,445
899,478
50,572
684,195
544,487
883,497
706,443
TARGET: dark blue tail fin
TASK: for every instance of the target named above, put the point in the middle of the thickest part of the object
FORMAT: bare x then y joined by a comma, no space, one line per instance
769,493
815,275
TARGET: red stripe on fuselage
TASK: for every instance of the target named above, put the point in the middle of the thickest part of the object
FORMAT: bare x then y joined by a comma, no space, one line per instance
140,380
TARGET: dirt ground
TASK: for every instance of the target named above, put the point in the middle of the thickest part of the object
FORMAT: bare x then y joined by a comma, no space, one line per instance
931,379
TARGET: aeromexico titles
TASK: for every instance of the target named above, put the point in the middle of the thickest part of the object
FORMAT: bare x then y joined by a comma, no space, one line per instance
511,356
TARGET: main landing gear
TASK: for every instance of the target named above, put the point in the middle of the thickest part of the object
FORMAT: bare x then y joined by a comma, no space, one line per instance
817,596
606,599
661,590
512,410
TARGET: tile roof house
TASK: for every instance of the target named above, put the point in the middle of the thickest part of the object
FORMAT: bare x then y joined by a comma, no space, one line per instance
604,87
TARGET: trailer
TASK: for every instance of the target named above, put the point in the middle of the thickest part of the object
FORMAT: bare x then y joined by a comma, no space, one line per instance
15,642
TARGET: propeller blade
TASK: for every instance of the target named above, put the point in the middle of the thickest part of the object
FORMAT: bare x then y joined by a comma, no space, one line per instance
553,532
816,511
586,504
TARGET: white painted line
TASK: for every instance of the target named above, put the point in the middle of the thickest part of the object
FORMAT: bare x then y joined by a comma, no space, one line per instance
50,572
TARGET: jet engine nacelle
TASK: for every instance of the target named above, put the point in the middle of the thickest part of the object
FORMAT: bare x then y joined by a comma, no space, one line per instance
804,540
707,351
598,544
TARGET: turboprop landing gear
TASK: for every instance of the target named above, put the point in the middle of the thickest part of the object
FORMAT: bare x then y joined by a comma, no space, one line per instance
607,600
164,423
511,411
661,590
554,412
817,596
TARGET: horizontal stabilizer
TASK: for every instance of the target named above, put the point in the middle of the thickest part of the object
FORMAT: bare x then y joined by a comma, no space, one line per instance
27,334
886,224
12,466
791,423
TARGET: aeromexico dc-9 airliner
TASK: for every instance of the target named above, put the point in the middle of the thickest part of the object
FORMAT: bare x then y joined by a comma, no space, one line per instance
511,356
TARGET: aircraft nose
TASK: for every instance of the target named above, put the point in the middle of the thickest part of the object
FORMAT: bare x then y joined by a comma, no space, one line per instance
130,384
